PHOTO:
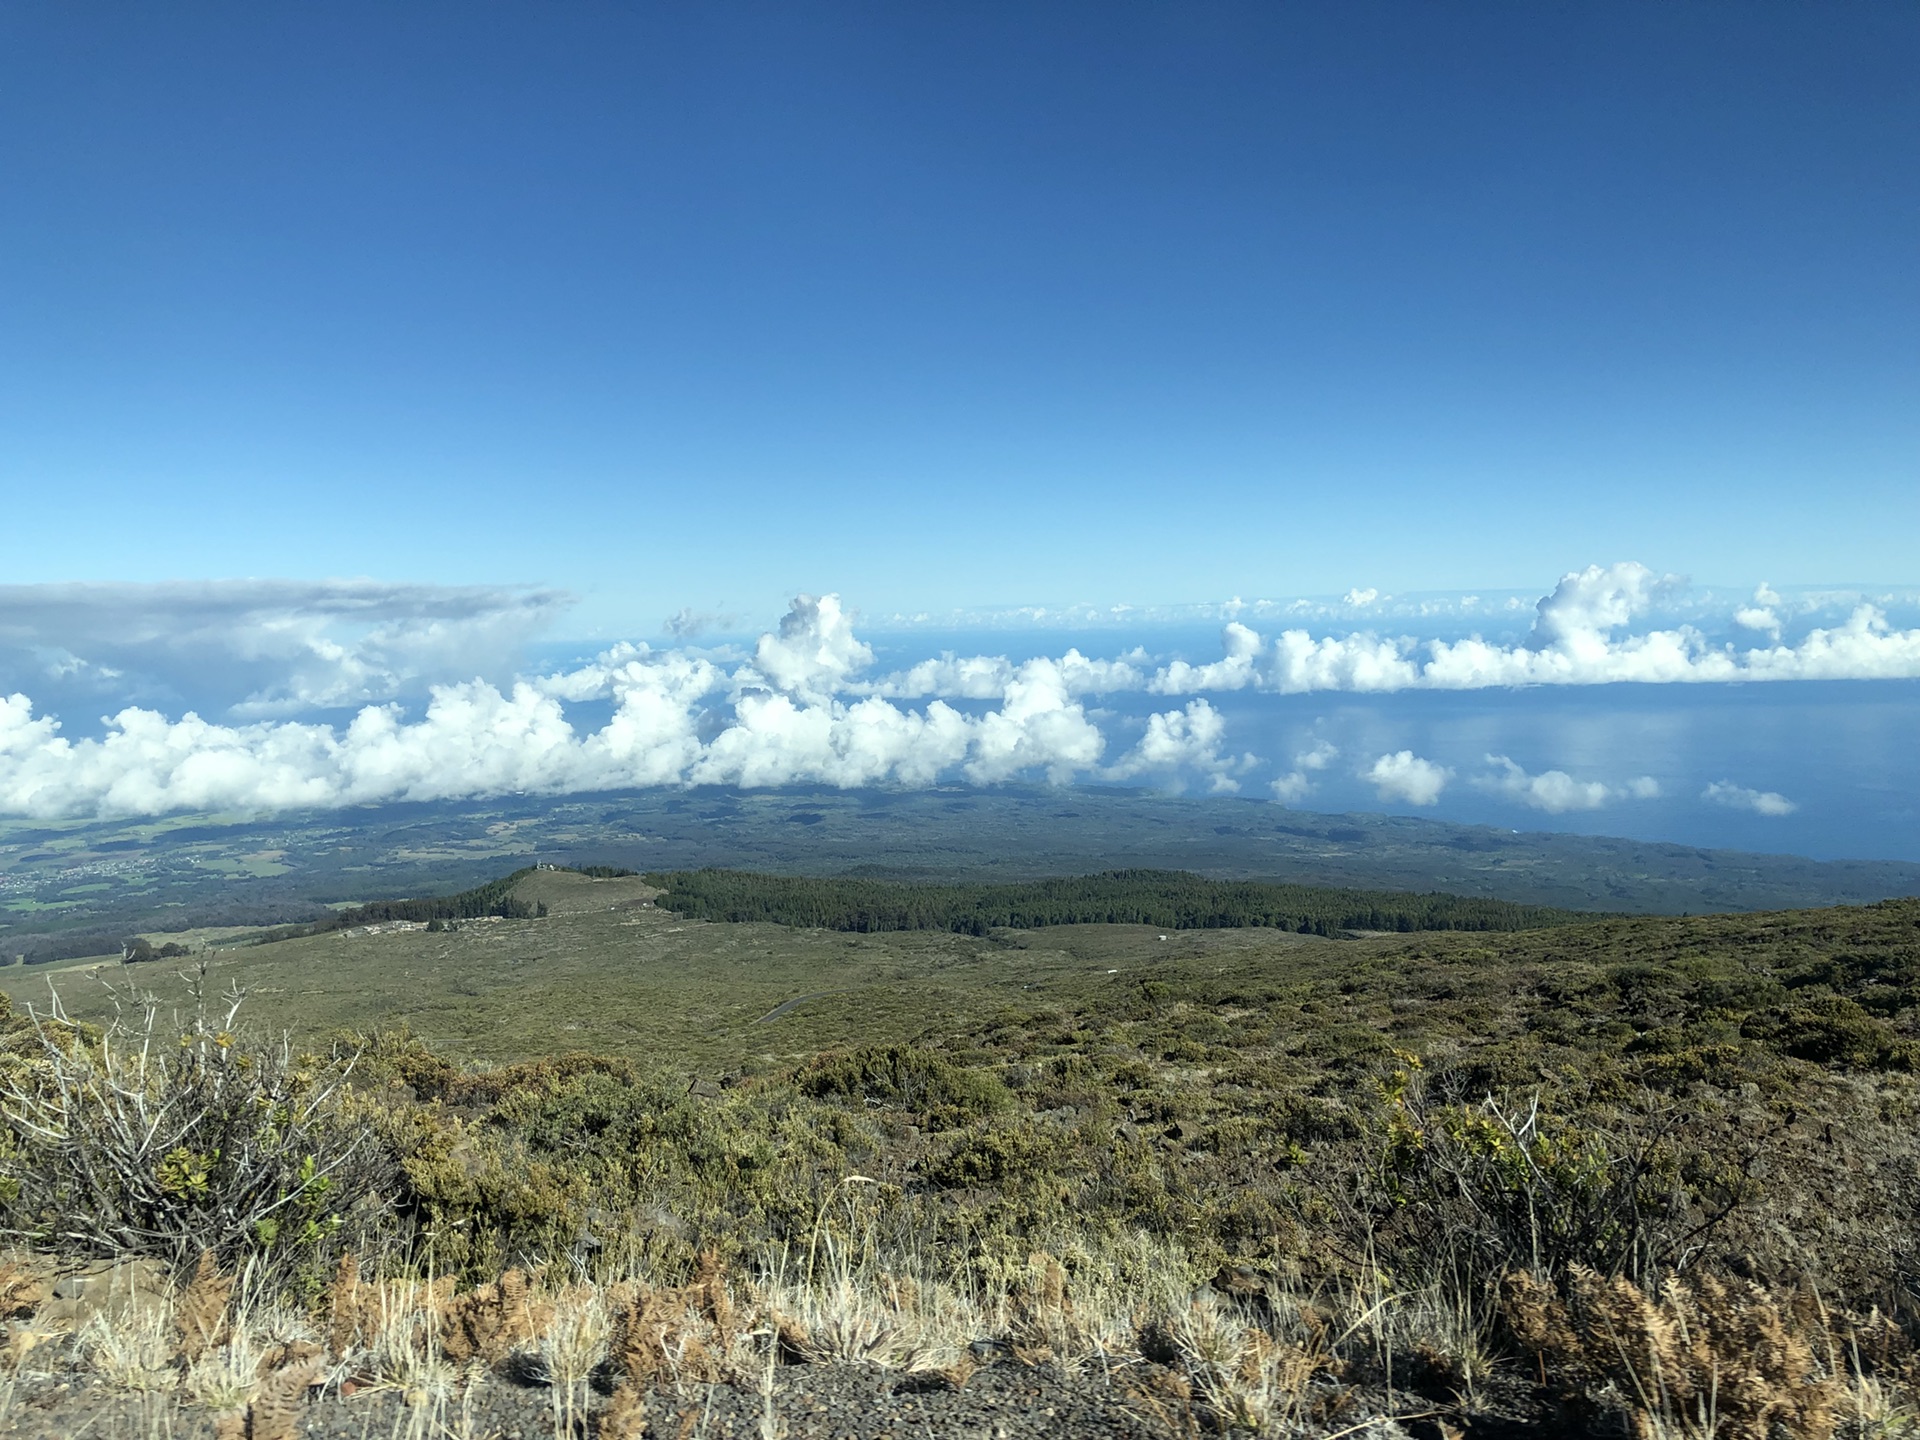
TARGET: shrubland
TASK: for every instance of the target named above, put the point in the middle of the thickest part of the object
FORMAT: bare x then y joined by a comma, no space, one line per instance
1654,1174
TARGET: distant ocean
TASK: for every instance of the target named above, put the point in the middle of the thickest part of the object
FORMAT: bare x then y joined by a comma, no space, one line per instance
1844,754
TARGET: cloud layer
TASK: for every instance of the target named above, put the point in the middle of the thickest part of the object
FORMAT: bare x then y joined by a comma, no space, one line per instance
1579,637
442,709
677,718
271,647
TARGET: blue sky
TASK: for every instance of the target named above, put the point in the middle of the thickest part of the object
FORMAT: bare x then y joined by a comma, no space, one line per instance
1506,412
949,306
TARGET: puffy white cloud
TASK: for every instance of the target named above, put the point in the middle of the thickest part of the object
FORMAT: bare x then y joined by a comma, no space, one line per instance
1318,757
814,650
986,677
1291,788
1293,663
678,718
1576,639
1588,604
1186,739
1739,797
1039,724
1297,783
1239,668
1557,792
1359,598
776,742
1865,648
1763,614
974,677
1405,776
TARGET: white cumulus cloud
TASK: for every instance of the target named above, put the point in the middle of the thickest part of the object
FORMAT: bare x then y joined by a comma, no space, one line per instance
1186,739
677,718
1739,797
1297,783
1403,775
814,651
1579,636
1556,792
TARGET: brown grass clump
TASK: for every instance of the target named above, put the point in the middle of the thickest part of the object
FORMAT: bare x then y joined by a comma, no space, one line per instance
22,1288
1714,1357
344,1307
200,1309
275,1412
690,1332
490,1322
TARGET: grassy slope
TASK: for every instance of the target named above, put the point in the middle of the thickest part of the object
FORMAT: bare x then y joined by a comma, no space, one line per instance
1235,1093
224,870
604,974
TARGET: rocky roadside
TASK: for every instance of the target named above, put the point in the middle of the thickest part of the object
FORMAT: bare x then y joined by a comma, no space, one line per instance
1006,1401
833,1402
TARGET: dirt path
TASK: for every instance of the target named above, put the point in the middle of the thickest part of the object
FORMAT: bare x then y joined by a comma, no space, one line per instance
787,1006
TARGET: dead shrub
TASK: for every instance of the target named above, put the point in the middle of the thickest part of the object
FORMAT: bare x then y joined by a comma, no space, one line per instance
490,1321
1707,1357
200,1309
687,1332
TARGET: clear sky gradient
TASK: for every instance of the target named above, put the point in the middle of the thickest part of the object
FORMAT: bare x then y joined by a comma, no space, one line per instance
959,305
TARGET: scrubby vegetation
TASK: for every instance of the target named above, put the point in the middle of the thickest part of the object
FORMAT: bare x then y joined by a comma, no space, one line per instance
1660,1175
1171,899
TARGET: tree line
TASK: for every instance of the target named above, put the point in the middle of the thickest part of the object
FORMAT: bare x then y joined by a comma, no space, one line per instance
496,897
1169,899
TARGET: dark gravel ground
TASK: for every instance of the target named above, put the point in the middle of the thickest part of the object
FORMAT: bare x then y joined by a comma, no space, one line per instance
833,1402
830,1402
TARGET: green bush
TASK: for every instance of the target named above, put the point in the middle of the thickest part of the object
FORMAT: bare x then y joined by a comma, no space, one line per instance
910,1078
150,1141
1828,1030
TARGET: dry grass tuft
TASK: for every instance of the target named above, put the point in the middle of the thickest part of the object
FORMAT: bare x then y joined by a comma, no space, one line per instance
23,1286
1713,1357
1251,1367
490,1322
575,1329
275,1412
200,1309
131,1349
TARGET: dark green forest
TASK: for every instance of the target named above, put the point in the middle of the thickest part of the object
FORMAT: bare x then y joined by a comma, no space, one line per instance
496,897
1170,899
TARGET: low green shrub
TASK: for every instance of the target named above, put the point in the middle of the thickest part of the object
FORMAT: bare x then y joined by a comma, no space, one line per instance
910,1078
147,1140
1828,1030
